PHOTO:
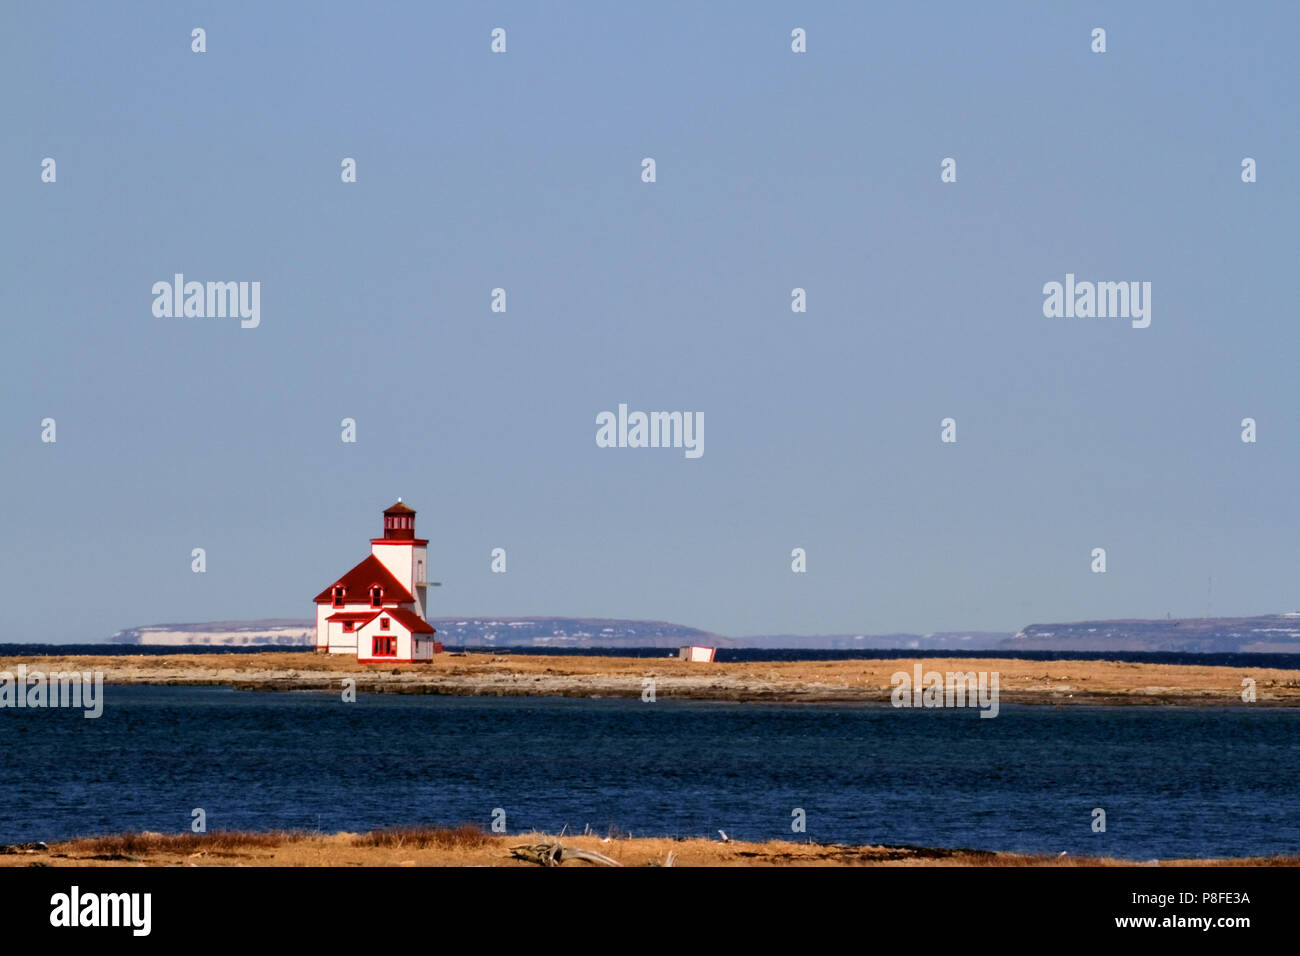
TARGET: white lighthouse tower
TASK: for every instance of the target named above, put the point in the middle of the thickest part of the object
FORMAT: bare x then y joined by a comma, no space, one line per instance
403,554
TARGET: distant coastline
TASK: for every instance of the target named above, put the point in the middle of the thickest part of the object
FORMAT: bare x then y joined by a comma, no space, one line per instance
1263,634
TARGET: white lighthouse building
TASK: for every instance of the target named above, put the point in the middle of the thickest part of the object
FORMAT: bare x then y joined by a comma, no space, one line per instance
376,611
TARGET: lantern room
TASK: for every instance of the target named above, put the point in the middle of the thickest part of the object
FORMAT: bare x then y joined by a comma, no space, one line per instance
399,522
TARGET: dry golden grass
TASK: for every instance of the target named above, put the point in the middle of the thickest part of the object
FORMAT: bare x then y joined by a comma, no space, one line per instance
422,838
468,846
144,844
1021,681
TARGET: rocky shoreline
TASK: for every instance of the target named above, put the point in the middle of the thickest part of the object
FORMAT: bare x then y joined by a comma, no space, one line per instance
830,682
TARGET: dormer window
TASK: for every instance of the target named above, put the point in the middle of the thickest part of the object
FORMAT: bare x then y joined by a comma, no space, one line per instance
376,597
338,597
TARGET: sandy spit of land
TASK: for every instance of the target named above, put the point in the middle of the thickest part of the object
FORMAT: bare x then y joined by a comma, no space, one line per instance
845,681
466,846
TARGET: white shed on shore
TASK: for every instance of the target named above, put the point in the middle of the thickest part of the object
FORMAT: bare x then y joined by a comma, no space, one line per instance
697,652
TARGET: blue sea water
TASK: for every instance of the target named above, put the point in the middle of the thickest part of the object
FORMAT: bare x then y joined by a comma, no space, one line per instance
1174,782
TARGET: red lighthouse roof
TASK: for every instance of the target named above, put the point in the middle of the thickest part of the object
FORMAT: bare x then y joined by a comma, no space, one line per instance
357,583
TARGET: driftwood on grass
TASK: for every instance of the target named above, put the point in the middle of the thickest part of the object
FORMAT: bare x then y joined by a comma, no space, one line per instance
23,848
555,853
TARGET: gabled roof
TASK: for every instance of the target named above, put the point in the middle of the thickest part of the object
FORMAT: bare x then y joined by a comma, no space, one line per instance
409,620
358,582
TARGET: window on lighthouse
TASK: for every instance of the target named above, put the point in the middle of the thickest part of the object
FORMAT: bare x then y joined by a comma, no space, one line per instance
338,597
376,597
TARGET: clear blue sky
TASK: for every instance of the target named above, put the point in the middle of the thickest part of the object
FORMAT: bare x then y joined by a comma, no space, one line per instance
775,170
